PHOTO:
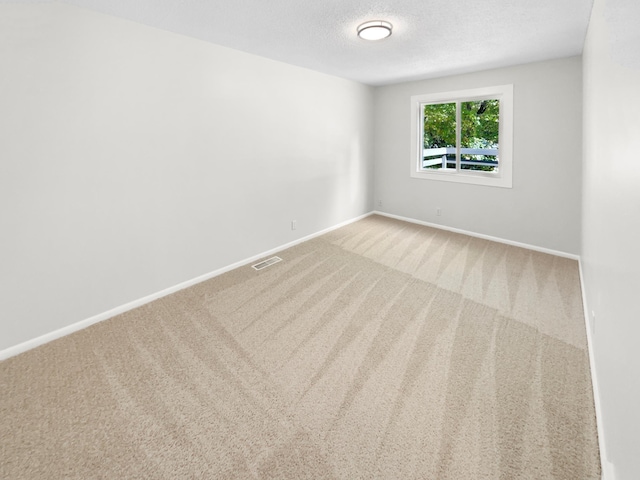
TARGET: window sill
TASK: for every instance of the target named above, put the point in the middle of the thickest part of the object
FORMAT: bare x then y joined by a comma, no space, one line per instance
475,178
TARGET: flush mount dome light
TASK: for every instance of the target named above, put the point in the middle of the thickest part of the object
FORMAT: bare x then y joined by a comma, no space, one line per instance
375,30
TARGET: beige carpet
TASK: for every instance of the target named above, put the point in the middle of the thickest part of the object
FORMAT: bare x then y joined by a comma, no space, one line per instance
381,350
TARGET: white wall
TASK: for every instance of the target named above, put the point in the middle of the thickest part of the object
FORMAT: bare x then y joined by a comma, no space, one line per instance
611,221
132,159
543,207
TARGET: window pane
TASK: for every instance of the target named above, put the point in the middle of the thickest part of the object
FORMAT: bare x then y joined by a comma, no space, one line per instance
479,135
439,140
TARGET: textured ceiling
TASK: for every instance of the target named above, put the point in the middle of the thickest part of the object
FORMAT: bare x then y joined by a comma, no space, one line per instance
431,38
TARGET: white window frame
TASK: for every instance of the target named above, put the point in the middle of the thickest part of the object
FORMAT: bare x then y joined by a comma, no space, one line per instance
501,178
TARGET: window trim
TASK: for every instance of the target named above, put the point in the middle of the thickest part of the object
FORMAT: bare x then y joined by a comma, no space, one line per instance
504,176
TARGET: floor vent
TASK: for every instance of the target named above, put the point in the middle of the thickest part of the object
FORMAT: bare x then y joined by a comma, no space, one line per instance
266,263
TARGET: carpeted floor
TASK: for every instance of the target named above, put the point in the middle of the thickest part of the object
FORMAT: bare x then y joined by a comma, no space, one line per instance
380,350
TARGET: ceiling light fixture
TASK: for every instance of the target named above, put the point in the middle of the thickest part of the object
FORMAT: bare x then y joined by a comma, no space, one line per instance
375,30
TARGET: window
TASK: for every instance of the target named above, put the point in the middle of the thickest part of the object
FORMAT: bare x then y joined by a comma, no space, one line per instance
464,136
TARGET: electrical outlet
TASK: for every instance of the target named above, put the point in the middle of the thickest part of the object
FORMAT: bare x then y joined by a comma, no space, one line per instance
438,211
379,203
293,225
593,322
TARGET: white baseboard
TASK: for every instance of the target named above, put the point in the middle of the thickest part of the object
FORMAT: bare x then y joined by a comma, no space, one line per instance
82,324
607,467
483,236
608,471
